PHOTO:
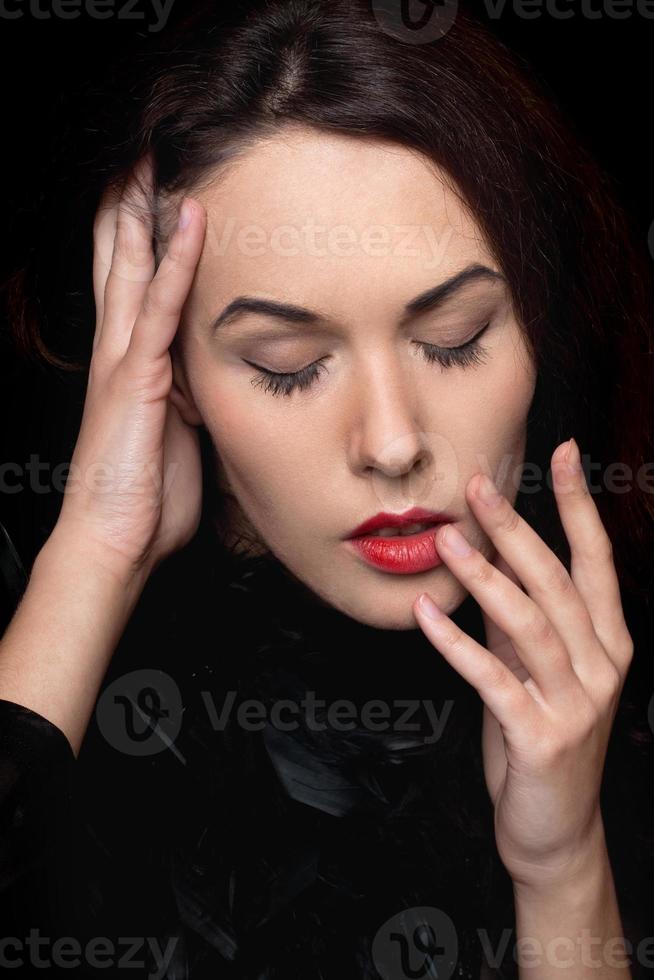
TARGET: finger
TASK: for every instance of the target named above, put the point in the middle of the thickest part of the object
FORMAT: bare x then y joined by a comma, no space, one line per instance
166,294
544,576
104,230
132,263
496,639
534,638
505,696
494,751
592,566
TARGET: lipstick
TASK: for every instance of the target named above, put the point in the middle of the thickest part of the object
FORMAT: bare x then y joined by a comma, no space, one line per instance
401,554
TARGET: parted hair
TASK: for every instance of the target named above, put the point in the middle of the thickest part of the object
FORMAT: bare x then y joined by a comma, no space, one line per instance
225,75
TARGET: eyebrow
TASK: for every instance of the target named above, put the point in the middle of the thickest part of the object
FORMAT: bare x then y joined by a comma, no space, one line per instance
429,300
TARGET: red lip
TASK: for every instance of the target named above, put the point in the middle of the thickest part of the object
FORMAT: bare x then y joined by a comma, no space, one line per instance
413,516
408,555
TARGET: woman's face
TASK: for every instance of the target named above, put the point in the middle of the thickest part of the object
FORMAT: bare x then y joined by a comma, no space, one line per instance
352,231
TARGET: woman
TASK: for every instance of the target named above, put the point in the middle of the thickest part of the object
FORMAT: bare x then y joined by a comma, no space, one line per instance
337,276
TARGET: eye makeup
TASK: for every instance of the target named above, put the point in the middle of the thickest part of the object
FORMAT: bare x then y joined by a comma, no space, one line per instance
285,383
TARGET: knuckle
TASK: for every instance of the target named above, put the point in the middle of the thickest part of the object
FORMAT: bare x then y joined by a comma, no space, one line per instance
453,638
132,247
620,648
144,377
483,572
626,649
538,627
496,676
176,251
609,681
601,550
587,719
158,302
181,256
510,519
556,579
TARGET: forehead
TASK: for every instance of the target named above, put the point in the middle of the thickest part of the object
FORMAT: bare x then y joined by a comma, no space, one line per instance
303,209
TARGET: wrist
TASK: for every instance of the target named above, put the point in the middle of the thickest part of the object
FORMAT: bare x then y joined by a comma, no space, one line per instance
581,872
69,547
59,642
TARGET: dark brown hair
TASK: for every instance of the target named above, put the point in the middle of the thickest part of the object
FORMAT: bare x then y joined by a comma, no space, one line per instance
229,74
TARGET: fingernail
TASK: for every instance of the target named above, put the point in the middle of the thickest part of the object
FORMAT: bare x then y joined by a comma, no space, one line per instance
429,607
572,457
185,214
488,491
455,541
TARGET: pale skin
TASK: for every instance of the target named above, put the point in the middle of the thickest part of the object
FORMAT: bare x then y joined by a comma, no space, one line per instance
380,428
556,657
381,421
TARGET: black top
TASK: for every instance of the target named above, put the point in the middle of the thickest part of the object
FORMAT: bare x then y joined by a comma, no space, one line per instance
186,846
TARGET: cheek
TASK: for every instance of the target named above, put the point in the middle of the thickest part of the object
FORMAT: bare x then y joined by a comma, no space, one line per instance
267,451
513,396
483,418
497,425
497,404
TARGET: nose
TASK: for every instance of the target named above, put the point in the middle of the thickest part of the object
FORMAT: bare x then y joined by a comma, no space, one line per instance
385,432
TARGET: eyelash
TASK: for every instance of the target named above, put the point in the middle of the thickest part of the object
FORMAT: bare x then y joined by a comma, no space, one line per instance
465,355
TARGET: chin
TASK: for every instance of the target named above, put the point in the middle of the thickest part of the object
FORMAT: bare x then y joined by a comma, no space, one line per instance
376,614
406,621
391,607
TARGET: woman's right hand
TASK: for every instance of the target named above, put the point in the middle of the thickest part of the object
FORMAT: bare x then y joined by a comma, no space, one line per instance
136,489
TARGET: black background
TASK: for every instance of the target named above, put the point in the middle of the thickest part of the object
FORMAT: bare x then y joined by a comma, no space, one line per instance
598,68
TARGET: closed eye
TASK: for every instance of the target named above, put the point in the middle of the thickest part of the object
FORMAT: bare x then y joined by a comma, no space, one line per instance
280,383
471,352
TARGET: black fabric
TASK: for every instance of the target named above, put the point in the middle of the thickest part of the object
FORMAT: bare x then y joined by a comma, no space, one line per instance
263,854
13,577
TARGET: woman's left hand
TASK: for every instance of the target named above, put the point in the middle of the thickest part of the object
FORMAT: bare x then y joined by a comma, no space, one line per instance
551,676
